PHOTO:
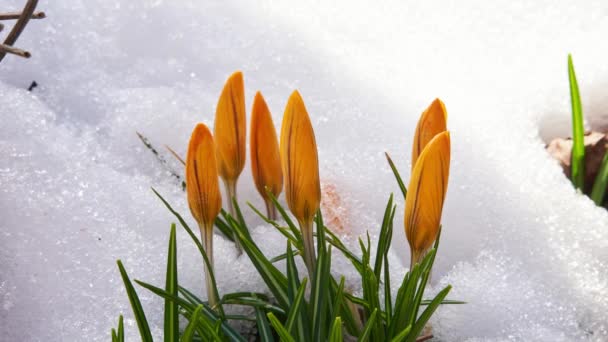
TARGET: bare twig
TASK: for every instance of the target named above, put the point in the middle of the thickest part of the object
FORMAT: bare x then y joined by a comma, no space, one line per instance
26,14
17,15
14,51
175,154
1,27
424,338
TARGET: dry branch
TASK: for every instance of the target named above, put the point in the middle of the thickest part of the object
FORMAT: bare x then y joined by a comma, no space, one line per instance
26,14
1,27
14,51
17,15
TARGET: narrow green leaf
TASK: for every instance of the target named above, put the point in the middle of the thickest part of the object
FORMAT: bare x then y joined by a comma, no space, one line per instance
335,241
171,308
283,230
274,279
601,183
280,329
198,245
224,228
294,228
189,308
578,131
188,334
263,327
120,336
138,310
402,335
397,175
336,331
336,307
114,336
300,317
382,246
319,295
426,314
369,326
295,309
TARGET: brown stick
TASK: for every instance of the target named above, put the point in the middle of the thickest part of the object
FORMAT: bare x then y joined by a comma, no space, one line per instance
424,338
17,15
14,51
26,14
1,27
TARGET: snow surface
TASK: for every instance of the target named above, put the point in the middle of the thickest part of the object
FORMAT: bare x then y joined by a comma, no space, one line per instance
524,250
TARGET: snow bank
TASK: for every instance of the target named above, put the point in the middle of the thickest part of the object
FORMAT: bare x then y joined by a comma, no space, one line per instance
527,253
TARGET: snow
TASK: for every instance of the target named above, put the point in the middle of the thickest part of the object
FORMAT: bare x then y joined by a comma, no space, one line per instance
524,250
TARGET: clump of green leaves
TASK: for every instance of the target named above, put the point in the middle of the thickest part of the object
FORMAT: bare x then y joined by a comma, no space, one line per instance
296,309
600,184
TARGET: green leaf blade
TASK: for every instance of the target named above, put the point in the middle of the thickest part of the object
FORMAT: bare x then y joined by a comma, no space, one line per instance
138,310
171,308
578,131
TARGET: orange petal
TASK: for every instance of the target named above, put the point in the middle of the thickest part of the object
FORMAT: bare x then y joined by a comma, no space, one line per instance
427,189
203,190
264,145
299,160
432,122
229,128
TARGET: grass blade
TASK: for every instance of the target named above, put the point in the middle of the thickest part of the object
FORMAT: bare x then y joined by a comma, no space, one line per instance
188,334
578,131
397,175
336,331
369,326
426,315
280,329
263,326
121,330
601,182
402,335
171,308
295,310
138,310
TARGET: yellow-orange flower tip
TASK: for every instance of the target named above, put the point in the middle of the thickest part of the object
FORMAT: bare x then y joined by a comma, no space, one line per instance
264,145
299,161
203,190
427,189
432,122
229,129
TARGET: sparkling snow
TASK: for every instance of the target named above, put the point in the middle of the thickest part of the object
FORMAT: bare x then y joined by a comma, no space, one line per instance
524,250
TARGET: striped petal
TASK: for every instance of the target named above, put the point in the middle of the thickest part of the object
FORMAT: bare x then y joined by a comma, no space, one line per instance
432,122
299,160
229,128
264,145
202,182
426,193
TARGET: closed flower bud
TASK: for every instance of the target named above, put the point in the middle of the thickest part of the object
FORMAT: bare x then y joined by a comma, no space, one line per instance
203,191
265,157
424,201
300,170
229,129
432,122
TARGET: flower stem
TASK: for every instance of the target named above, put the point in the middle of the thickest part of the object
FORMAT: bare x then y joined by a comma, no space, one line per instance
231,191
207,238
271,210
309,247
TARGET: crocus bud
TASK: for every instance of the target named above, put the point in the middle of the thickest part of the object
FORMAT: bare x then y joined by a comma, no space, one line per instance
424,201
265,157
203,191
301,170
432,122
229,129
